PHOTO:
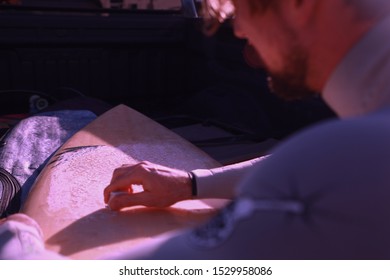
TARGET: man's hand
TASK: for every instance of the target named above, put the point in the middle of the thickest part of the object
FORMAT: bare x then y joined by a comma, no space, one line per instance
162,186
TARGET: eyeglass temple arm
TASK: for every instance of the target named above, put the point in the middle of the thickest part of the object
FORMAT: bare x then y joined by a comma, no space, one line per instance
189,8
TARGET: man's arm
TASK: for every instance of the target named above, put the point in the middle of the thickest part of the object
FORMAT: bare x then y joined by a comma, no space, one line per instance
163,186
221,182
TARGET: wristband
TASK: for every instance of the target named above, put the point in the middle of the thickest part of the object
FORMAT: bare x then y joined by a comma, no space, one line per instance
194,187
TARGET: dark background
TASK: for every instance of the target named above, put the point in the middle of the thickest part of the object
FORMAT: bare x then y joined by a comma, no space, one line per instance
157,62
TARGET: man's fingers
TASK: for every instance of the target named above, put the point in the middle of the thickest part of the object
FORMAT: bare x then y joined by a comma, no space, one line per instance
116,188
124,184
123,200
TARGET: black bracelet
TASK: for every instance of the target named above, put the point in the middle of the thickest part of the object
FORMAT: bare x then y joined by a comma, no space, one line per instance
194,187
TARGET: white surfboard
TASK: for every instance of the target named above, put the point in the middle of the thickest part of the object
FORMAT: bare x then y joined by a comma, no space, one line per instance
67,198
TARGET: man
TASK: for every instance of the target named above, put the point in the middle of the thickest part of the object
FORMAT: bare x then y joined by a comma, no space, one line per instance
324,192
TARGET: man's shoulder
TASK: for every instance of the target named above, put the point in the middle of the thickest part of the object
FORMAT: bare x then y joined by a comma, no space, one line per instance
331,156
373,129
349,146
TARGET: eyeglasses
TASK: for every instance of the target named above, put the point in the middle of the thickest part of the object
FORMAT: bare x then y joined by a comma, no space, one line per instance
215,12
219,10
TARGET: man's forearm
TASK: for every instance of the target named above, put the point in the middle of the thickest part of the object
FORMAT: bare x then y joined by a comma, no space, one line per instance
222,182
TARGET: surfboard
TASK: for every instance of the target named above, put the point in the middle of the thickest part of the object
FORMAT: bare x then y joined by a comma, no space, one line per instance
67,198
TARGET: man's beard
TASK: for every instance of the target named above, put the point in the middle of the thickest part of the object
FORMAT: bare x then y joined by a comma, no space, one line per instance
289,83
287,87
